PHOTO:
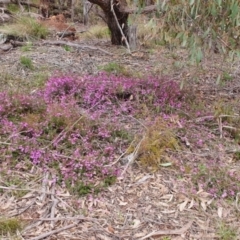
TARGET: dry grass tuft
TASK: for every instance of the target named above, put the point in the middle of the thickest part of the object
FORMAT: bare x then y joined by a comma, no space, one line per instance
9,225
97,31
26,28
159,138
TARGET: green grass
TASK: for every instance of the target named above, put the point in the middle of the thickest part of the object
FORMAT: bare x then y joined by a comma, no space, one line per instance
13,8
115,68
26,62
67,48
226,232
9,225
39,78
97,31
27,47
26,28
12,82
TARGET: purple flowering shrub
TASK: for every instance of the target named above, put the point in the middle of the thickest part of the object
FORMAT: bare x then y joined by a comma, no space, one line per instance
223,183
73,125
18,103
61,86
77,126
104,90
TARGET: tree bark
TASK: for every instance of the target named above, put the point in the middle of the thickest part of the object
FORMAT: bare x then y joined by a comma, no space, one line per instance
122,17
116,35
133,37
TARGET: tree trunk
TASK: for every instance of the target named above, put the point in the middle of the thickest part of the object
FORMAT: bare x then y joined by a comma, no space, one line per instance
116,35
132,37
122,17
86,8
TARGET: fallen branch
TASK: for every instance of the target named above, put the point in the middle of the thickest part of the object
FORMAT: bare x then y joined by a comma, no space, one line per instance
44,186
169,232
53,208
237,202
18,43
24,209
44,235
79,218
5,10
65,34
60,43
70,44
33,190
5,48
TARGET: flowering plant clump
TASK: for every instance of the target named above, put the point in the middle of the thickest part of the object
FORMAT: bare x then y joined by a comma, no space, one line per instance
213,177
58,87
101,91
17,103
62,126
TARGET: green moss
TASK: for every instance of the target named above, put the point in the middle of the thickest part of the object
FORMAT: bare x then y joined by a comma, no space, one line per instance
158,138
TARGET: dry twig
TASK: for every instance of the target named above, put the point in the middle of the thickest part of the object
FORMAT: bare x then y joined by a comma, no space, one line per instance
44,235
44,186
31,190
70,44
237,202
169,232
132,157
54,204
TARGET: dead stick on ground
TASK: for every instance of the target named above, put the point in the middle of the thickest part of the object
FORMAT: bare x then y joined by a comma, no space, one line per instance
132,157
169,232
82,218
54,204
64,43
61,43
119,158
37,223
237,202
44,186
44,235
65,31
23,210
33,190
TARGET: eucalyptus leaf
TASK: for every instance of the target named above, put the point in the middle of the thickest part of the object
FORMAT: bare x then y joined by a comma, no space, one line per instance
166,164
